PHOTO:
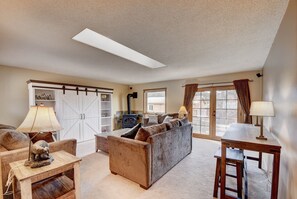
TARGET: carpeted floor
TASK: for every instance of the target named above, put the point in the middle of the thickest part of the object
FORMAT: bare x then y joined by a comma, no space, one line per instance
193,177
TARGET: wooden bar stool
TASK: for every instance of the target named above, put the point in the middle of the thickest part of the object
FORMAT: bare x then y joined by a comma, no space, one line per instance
234,157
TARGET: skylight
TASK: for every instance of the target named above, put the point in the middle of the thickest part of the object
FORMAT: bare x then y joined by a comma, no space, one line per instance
99,41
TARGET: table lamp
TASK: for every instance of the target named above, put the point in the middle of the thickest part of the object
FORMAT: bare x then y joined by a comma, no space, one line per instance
38,120
182,112
262,109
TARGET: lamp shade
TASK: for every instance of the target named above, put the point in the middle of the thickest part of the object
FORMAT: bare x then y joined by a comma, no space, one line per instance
40,119
262,108
182,111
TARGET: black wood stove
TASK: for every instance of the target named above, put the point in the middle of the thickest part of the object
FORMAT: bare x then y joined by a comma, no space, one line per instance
129,120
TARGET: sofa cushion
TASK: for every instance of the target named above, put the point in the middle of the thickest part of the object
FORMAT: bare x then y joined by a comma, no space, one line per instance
132,132
145,132
168,125
175,123
161,118
4,126
174,115
12,139
167,119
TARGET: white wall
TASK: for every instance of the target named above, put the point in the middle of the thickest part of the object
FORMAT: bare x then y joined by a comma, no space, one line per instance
175,91
14,99
280,86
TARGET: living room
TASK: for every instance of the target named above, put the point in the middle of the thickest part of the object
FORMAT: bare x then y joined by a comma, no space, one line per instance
210,44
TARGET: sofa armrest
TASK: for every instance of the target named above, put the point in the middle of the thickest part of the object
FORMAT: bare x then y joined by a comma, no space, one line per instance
131,159
20,154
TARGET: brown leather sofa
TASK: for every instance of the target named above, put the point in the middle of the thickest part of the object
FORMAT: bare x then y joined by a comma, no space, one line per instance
8,156
146,162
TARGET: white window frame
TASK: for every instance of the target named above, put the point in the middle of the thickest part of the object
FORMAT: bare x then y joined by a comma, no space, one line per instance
145,92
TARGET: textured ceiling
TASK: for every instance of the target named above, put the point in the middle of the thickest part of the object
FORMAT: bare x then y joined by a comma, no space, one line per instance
193,38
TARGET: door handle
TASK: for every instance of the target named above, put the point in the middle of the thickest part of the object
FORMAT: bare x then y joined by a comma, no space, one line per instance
84,116
214,114
80,115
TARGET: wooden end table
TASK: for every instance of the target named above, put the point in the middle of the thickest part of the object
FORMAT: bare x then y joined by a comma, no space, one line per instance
63,161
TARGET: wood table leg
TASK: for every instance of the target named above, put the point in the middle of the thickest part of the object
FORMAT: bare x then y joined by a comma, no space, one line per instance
260,160
14,186
77,180
239,179
223,171
26,189
275,175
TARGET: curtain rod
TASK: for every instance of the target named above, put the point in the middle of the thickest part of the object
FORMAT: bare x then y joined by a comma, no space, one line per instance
250,80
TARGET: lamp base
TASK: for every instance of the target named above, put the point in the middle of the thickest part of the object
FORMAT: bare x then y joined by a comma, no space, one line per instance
41,163
261,137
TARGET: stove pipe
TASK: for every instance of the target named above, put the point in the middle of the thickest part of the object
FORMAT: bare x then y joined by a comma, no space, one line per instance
134,95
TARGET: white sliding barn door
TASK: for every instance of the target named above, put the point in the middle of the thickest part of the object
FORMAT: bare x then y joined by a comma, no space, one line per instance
70,116
78,115
91,117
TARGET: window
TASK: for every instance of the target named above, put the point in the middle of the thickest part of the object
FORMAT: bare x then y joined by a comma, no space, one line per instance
214,109
155,100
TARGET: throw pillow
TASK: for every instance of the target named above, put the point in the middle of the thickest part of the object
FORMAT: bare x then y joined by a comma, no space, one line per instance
145,132
153,119
167,119
132,132
175,123
12,139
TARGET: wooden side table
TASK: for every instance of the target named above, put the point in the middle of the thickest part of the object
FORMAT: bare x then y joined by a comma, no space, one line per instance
63,161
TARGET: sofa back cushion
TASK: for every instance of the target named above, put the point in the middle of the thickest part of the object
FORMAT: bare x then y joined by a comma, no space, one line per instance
145,132
175,123
12,139
162,117
167,119
184,121
4,126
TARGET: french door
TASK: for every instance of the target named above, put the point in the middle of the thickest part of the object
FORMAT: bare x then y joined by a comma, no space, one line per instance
213,110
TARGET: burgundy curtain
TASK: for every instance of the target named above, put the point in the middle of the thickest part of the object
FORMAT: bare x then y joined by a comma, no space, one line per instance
243,93
190,90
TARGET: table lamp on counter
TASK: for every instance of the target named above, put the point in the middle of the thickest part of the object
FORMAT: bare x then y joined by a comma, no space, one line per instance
262,109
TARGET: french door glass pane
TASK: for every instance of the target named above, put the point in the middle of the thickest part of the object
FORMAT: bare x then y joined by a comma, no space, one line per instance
201,111
226,110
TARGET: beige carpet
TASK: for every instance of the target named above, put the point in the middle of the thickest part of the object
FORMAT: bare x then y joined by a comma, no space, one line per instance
193,177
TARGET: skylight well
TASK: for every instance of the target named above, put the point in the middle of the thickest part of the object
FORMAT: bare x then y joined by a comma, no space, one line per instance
99,41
